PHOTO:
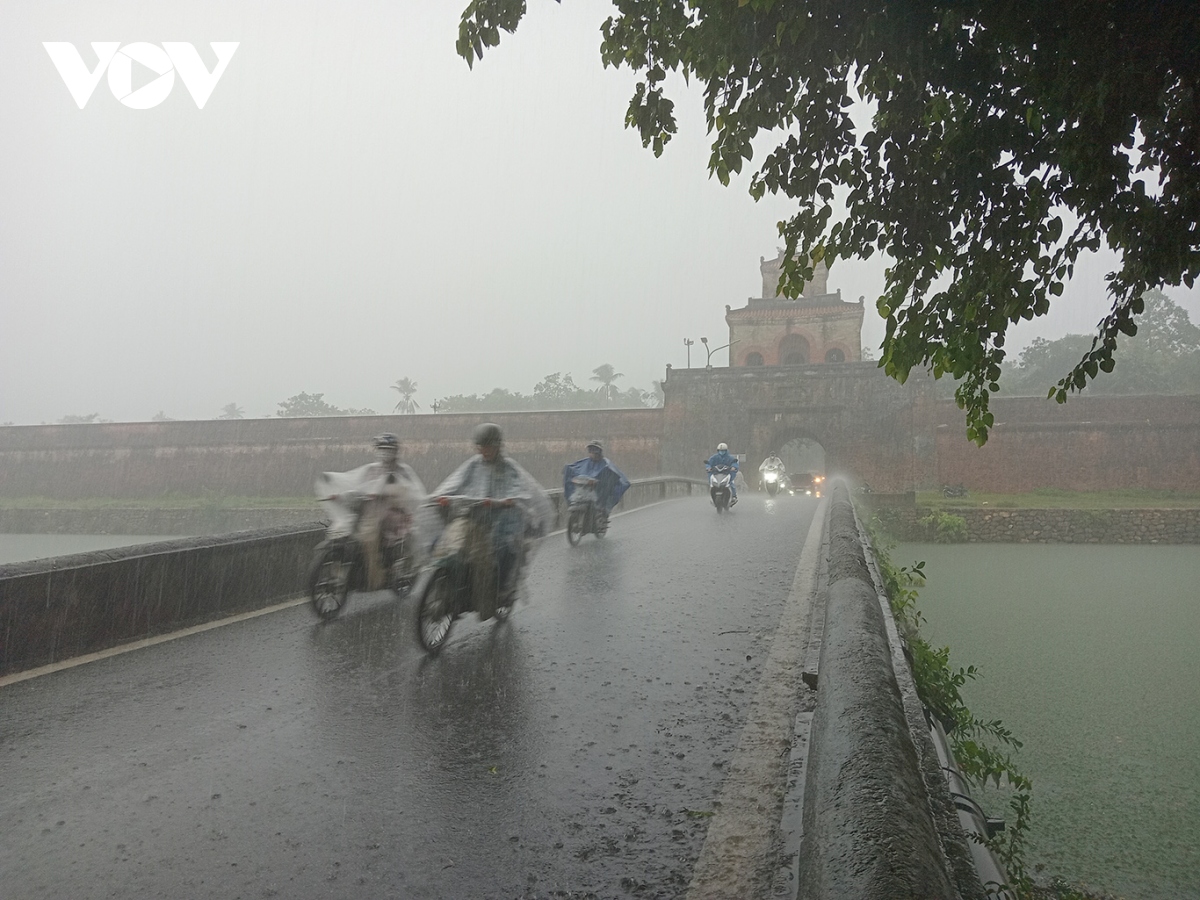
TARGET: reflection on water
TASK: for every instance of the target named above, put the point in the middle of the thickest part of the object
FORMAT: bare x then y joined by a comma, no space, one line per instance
24,547
1089,654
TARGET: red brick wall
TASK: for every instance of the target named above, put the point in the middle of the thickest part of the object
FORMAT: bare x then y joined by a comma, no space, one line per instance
1094,443
282,457
895,438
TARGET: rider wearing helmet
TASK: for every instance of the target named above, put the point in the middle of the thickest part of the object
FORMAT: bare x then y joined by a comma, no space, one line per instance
523,514
387,451
771,464
724,458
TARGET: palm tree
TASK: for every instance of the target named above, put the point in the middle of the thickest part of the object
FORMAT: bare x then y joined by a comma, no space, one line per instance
232,411
405,387
606,375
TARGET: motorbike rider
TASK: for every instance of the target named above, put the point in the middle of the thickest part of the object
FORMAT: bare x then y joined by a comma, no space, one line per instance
724,458
611,484
771,464
391,492
522,514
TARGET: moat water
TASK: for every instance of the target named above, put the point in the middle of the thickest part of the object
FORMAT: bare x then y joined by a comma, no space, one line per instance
24,547
1091,655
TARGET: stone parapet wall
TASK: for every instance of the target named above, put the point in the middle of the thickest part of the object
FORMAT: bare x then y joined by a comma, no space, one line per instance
1055,526
60,608
63,607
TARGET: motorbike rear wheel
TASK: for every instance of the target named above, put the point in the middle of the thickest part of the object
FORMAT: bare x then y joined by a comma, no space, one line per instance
329,583
575,526
435,612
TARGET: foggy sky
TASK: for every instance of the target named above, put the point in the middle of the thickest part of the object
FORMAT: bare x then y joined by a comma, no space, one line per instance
354,205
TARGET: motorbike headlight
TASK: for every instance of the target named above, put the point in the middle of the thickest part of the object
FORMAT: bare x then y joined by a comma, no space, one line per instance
771,476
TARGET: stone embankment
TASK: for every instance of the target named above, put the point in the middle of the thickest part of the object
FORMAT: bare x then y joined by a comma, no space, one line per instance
1051,526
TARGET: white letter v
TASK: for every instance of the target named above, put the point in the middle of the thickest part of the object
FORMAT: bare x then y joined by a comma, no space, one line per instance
198,80
70,65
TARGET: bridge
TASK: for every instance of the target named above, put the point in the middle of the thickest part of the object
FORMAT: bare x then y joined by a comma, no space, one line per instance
697,706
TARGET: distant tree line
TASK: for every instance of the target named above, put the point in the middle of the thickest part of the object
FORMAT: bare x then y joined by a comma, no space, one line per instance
557,391
302,405
1162,358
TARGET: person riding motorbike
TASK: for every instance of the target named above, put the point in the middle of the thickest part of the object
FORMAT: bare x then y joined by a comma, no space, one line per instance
724,458
611,484
771,464
376,505
521,511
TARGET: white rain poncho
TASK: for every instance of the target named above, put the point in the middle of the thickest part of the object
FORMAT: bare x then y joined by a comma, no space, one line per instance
389,512
531,515
514,529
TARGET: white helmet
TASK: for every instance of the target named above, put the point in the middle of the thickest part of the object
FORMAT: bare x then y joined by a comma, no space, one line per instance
722,446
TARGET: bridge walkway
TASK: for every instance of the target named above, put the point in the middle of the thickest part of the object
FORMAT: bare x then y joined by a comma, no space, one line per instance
581,749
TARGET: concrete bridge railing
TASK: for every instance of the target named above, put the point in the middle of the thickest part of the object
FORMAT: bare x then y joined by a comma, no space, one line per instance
879,822
56,609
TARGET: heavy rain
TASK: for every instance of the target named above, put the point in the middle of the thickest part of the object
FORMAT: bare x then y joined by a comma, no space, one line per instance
424,473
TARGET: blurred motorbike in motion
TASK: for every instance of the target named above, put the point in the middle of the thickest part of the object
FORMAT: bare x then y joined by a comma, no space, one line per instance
470,571
370,541
585,514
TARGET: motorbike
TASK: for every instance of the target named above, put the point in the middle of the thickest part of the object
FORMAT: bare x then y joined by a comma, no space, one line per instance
585,514
952,491
720,486
367,544
773,481
462,577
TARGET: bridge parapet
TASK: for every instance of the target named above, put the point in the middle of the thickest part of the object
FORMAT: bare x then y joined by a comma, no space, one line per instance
878,820
57,609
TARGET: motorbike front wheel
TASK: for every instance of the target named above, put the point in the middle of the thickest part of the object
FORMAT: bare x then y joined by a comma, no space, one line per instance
435,612
575,526
772,487
329,584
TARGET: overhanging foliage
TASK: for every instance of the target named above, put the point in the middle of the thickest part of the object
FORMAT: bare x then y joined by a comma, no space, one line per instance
1007,139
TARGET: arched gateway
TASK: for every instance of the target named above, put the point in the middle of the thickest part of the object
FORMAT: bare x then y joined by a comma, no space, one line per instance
867,424
796,374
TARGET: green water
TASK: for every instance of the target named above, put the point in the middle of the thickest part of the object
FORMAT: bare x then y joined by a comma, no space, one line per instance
25,547
1091,655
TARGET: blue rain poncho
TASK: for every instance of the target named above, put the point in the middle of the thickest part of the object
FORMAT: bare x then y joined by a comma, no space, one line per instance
611,483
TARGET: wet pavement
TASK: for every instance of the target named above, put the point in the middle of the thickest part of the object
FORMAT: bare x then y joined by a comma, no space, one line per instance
573,751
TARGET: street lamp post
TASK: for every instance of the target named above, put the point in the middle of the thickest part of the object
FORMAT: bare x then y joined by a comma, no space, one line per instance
687,342
712,350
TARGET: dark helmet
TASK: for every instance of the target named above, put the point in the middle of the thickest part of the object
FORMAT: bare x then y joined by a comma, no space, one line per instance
385,442
487,435
595,445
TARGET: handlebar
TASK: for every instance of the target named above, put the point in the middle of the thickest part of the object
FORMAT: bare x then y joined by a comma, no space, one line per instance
472,502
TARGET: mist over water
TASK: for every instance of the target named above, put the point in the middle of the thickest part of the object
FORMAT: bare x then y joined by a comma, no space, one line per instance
16,548
1089,655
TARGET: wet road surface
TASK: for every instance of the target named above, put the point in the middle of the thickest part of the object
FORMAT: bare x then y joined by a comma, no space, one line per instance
574,751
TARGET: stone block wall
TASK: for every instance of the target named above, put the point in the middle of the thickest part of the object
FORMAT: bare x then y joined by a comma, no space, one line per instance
1087,444
282,457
